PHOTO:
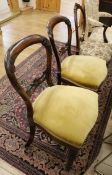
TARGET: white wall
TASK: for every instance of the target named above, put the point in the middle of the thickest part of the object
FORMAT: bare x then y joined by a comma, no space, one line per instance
32,3
3,5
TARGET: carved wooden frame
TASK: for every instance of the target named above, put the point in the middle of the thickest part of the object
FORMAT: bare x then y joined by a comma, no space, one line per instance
10,58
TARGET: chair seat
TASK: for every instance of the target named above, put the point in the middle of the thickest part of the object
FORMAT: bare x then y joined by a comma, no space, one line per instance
84,70
67,112
95,48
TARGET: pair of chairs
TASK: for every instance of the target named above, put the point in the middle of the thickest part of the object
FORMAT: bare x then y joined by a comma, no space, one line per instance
69,114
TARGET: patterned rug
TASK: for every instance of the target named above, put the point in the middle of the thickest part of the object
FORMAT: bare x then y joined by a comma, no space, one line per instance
14,128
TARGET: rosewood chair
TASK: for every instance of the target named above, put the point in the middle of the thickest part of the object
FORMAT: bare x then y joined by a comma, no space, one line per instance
85,44
78,70
57,108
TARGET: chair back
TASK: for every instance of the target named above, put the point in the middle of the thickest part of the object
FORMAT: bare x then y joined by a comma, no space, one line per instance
10,58
51,24
92,9
80,24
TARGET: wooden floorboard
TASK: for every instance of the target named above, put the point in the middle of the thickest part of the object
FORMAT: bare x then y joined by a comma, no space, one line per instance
33,22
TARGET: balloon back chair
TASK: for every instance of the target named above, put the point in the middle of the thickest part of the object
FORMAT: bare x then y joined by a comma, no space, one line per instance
54,107
78,70
84,44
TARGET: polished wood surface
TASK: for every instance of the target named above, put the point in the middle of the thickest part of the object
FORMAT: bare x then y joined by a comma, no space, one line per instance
50,27
49,5
13,5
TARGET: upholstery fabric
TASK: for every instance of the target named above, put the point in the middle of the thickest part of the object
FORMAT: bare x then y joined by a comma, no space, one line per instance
67,112
93,14
91,7
83,70
104,14
94,23
94,48
97,35
94,44
92,10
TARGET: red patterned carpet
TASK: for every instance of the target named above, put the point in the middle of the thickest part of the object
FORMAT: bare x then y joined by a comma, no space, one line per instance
14,127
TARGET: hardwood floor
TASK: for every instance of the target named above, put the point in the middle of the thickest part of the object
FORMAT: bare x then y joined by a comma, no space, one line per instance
33,22
7,169
30,22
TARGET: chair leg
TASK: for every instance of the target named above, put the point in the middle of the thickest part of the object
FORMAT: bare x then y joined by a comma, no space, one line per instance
31,137
71,156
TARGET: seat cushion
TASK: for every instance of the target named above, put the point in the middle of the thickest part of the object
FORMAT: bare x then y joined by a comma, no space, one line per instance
67,112
85,70
101,50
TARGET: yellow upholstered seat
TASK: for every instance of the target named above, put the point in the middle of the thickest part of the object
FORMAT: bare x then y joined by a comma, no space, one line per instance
86,70
67,112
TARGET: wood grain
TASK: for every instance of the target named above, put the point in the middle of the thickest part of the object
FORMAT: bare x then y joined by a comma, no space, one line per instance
49,5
